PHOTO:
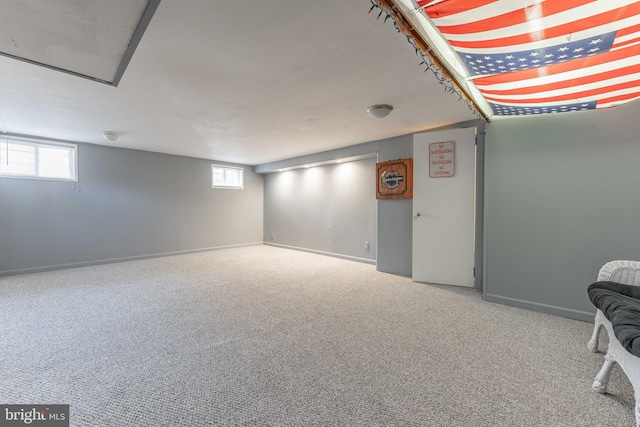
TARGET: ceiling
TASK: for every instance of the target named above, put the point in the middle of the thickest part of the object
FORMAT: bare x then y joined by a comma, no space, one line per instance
239,82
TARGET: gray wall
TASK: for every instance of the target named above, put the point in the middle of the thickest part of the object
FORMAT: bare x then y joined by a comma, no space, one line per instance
561,199
327,208
394,225
130,204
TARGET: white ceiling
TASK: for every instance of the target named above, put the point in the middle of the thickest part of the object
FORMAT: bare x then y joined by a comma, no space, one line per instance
239,82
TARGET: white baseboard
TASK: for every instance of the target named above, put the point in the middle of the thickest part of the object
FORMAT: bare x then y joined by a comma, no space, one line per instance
123,259
569,313
331,254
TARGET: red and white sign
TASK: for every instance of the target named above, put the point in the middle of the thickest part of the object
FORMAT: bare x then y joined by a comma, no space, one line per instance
442,159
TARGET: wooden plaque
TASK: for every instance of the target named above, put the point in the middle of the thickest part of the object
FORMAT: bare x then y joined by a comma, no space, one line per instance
395,179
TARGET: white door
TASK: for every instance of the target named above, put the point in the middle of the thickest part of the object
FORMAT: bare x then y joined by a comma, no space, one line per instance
444,207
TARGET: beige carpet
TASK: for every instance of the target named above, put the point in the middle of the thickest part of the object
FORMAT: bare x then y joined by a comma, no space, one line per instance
269,336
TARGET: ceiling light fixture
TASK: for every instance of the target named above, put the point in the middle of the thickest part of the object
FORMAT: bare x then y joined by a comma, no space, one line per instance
110,136
379,111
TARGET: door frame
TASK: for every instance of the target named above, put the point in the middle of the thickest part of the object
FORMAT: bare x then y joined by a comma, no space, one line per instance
478,280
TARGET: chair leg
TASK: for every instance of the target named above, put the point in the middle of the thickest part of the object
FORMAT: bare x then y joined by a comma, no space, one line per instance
592,346
602,379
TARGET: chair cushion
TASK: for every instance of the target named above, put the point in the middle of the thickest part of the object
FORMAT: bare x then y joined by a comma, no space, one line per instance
620,304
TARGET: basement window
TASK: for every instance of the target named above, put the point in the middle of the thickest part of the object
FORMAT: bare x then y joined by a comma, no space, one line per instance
38,160
227,177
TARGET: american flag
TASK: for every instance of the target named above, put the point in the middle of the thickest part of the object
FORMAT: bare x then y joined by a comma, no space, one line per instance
545,56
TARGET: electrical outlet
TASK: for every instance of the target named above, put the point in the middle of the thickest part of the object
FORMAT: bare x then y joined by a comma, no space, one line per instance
366,244
273,236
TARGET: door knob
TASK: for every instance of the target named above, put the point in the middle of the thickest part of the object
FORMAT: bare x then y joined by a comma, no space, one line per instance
418,214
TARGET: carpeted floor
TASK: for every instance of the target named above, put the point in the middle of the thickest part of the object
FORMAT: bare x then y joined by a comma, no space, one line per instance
273,337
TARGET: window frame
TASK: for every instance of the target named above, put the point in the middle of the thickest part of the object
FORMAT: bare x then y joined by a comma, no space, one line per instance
228,187
37,145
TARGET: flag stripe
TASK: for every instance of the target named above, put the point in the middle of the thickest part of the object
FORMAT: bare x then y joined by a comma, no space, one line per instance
567,77
518,16
557,31
547,42
453,7
571,97
627,31
540,31
617,100
619,97
561,85
482,12
627,36
627,43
